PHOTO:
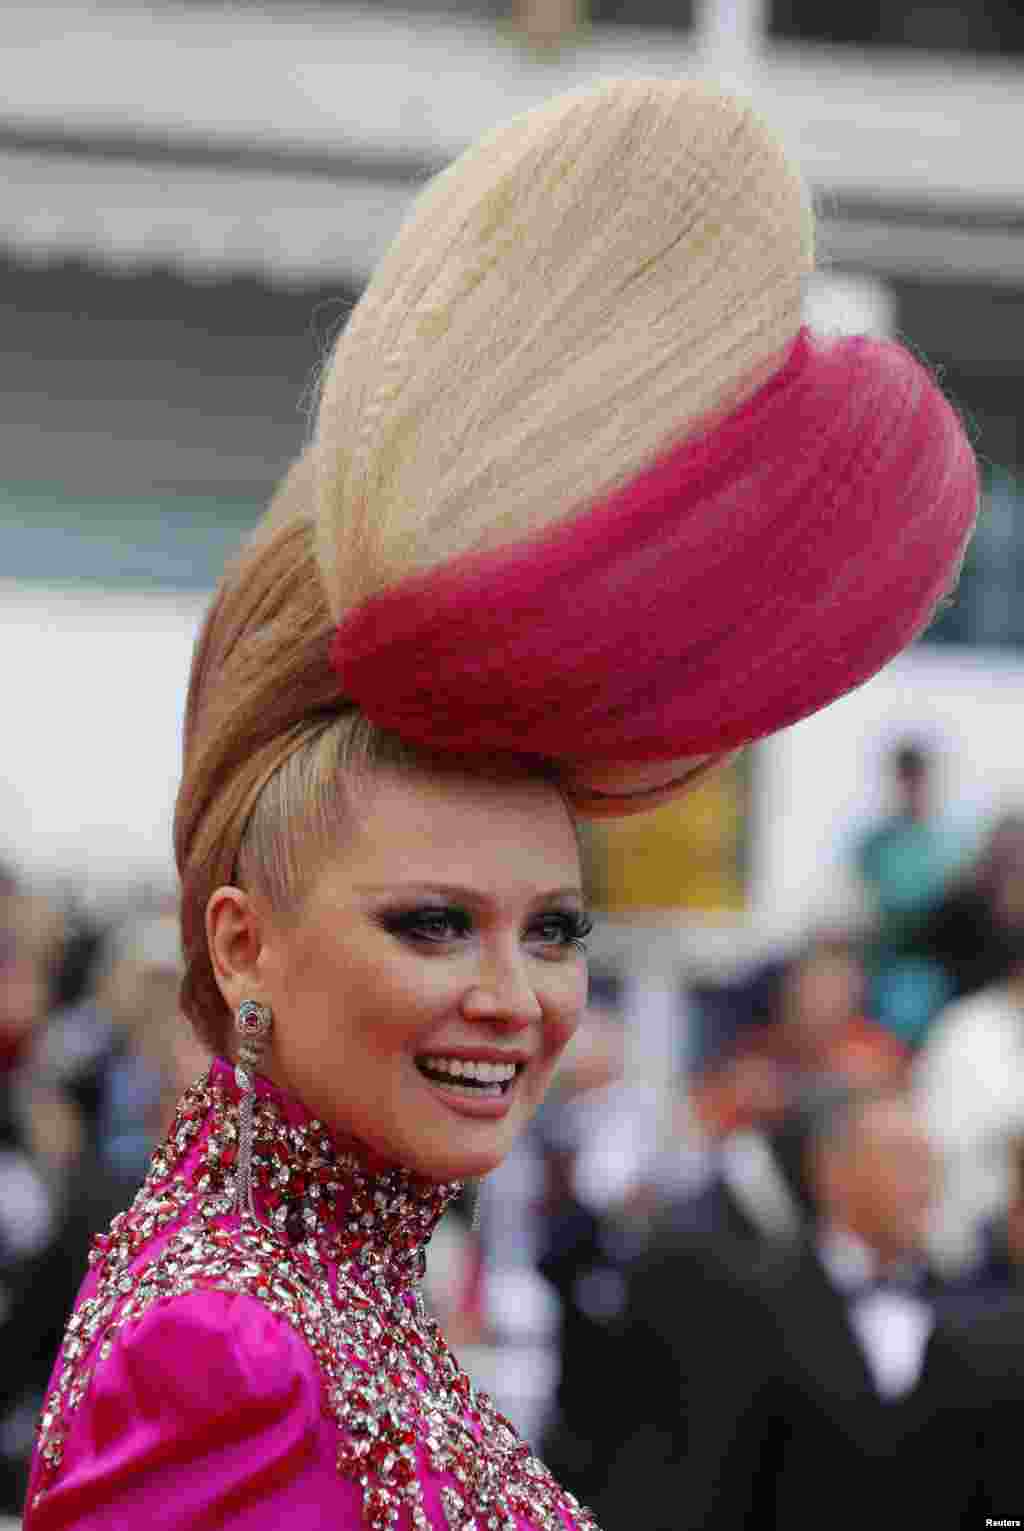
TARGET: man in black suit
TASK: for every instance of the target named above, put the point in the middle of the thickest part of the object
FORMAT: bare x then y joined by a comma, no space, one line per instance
816,1385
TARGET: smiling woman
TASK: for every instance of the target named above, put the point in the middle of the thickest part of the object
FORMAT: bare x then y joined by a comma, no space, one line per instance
425,1018
585,511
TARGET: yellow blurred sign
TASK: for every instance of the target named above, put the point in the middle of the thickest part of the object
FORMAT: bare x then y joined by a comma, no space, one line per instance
688,854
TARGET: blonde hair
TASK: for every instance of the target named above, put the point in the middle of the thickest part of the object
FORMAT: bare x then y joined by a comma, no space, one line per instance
266,740
275,761
568,299
574,294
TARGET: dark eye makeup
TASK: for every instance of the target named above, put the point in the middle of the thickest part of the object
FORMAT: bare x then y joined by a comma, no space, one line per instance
440,923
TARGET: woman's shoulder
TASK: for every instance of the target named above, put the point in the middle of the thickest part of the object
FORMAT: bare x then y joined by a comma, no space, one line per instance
209,1346
199,1372
171,1358
213,1321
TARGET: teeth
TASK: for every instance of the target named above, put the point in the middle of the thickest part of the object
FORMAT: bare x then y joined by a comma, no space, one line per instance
485,1073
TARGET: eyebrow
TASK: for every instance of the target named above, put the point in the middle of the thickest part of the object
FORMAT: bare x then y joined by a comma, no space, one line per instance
456,890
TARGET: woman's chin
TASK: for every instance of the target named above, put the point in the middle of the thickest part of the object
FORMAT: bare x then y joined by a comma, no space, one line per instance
459,1164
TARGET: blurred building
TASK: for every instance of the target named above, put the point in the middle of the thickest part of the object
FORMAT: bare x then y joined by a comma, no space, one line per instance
195,194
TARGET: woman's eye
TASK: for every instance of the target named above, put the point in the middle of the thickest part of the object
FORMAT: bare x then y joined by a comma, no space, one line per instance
564,929
441,925
430,924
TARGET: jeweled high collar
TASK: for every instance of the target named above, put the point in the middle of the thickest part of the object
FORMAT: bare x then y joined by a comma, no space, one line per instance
310,1183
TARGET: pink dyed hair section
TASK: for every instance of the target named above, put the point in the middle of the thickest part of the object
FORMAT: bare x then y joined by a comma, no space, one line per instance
746,579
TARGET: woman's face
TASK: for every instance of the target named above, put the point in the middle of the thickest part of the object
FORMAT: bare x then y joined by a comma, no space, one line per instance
437,950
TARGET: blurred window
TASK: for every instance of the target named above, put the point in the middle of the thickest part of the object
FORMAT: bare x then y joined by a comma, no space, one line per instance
989,606
492,8
643,13
53,536
629,13
959,26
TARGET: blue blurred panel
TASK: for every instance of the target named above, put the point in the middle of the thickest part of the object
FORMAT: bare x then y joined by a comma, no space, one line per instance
49,535
988,610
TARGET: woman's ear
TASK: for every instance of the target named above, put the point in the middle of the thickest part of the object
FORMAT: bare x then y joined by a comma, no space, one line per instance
235,934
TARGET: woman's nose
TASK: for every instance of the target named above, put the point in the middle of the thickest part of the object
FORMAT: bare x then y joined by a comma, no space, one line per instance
503,994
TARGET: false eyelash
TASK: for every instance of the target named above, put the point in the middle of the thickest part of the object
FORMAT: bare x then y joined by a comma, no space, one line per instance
578,927
575,925
410,922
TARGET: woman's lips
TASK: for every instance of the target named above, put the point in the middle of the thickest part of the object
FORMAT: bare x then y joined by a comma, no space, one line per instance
473,1101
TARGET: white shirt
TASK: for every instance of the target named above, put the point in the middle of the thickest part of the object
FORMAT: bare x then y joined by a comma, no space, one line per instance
892,1328
751,1172
969,1082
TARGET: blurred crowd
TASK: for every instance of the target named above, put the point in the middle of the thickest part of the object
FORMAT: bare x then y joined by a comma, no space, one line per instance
93,1055
794,1270
795,1260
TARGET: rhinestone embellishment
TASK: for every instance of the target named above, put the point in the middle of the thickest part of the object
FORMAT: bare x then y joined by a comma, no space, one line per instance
337,1254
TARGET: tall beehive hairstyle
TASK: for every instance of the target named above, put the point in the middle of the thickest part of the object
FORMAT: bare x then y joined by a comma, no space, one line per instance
566,300
581,489
584,487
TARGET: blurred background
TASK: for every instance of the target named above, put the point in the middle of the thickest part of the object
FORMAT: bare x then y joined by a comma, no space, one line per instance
194,195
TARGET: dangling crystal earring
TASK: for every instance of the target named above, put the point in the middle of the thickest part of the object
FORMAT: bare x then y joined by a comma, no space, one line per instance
253,1023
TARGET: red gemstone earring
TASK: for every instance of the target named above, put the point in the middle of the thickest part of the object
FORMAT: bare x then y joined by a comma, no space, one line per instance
253,1023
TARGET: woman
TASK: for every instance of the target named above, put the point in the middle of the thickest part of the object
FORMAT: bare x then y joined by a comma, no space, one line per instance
585,511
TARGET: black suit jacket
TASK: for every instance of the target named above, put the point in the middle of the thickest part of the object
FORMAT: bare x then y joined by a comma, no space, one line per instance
746,1401
992,1339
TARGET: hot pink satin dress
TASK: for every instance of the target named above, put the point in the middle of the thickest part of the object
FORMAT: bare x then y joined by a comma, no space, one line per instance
277,1373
